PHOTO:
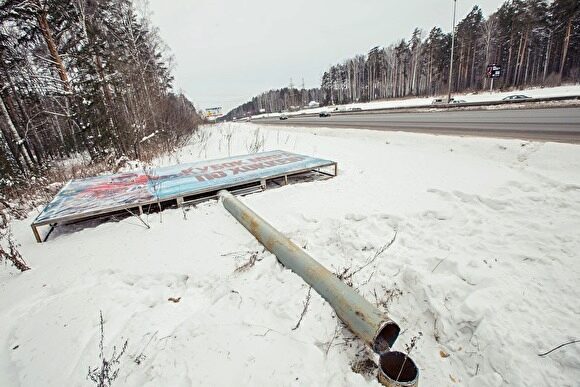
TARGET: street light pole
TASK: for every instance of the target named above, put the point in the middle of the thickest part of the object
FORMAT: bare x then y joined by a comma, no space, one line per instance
452,49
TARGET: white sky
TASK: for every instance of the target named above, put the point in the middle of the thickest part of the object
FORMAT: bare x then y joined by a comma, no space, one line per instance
227,51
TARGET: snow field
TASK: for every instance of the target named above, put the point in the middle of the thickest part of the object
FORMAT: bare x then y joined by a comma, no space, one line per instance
483,271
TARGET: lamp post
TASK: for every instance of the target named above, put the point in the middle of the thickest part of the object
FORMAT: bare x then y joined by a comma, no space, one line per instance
452,49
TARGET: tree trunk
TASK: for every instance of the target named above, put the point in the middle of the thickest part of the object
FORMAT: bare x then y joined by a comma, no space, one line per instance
527,66
47,35
509,63
17,139
13,149
547,60
565,49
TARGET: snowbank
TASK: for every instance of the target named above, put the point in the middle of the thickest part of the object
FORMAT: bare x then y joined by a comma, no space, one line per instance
559,91
484,271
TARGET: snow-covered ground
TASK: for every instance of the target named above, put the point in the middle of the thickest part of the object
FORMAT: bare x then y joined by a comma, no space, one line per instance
546,92
484,271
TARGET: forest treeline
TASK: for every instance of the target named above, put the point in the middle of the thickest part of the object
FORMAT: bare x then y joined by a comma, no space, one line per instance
537,42
287,98
86,77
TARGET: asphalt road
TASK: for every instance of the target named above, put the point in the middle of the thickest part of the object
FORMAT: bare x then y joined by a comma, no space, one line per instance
546,124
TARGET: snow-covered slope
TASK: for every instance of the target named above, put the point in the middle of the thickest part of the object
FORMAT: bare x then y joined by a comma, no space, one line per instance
484,271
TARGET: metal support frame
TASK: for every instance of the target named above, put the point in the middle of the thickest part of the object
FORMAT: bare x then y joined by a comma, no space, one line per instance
35,232
52,227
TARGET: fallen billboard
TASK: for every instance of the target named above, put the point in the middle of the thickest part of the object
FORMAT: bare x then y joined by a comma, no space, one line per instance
101,195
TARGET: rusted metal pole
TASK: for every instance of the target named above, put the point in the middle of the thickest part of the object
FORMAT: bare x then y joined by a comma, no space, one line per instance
364,319
375,328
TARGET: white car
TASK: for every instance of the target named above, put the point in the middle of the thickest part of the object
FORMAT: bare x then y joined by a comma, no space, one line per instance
516,97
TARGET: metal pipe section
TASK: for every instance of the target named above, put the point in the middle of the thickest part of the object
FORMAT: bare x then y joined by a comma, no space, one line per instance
397,369
364,319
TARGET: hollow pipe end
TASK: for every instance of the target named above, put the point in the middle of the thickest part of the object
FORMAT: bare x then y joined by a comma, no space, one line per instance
386,336
397,369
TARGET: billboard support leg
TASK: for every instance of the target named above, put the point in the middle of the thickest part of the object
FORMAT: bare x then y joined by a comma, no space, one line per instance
52,227
36,234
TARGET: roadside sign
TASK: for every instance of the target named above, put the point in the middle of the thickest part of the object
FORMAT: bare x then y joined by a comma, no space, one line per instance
81,198
493,71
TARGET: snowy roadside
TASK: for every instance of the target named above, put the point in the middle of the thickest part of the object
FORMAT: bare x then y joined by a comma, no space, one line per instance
536,92
484,270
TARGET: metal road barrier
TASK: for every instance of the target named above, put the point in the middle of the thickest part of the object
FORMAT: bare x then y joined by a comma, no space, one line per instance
365,320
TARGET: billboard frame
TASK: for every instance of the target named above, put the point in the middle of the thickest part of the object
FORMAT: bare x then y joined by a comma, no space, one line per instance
320,167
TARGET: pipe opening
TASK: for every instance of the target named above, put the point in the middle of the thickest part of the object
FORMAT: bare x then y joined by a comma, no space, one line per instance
386,337
397,369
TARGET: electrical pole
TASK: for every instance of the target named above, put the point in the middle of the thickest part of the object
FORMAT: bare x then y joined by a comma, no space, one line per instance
452,49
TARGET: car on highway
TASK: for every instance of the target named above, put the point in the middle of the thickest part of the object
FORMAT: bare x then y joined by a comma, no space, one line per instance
458,101
283,117
439,101
514,97
324,113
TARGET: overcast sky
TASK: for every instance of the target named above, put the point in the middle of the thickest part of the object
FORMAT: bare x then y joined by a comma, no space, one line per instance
227,51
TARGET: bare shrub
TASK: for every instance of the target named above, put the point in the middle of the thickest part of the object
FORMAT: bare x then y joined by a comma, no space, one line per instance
249,263
11,253
201,139
347,273
386,299
108,370
256,143
413,343
305,309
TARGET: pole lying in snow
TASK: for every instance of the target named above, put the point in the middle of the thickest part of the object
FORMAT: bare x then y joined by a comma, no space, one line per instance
364,319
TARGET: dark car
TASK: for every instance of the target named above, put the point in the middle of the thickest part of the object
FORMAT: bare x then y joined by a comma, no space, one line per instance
516,97
441,101
324,114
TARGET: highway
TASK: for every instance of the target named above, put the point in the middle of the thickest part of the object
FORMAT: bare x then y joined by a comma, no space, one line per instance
544,124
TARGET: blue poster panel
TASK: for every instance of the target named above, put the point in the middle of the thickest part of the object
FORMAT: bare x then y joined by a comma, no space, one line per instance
83,197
